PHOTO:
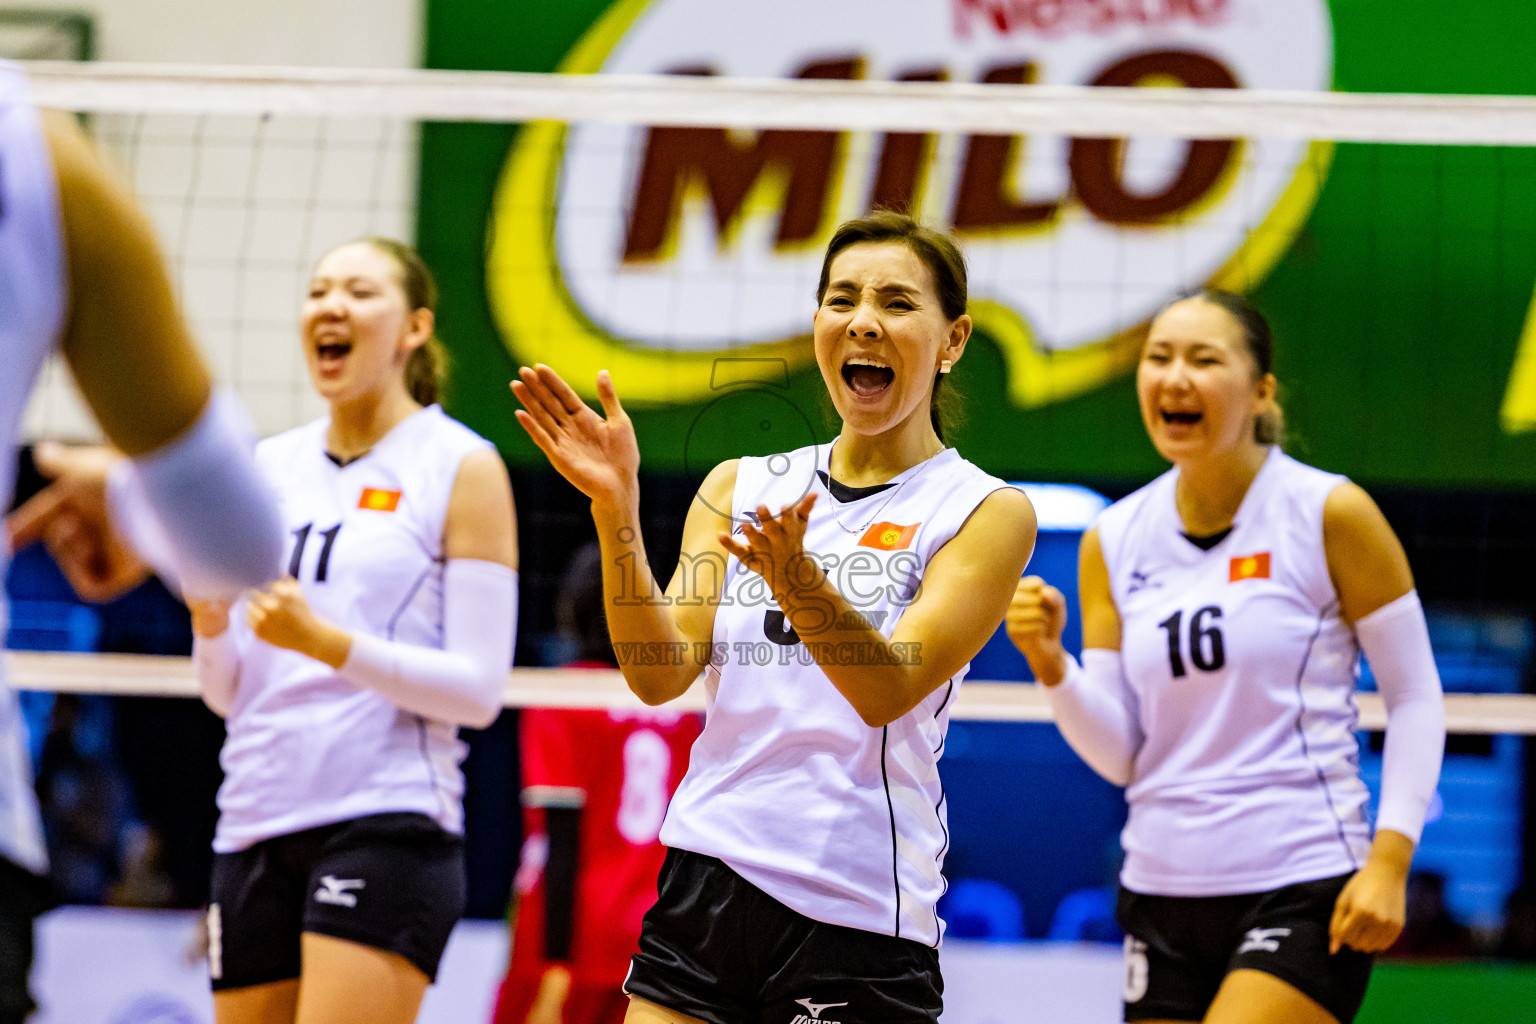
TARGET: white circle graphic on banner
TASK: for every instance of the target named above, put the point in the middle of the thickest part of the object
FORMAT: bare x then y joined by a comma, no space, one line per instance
692,242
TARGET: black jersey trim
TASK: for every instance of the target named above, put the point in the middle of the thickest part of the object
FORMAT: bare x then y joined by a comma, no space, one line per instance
938,811
938,751
890,806
343,461
1306,750
405,602
1210,540
845,494
938,815
945,702
445,806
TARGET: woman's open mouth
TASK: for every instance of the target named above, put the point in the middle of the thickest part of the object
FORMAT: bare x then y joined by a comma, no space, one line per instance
331,354
867,377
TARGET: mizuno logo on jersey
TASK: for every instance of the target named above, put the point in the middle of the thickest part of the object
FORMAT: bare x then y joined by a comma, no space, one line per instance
1263,940
815,1011
889,536
750,515
1141,581
1249,567
333,890
376,500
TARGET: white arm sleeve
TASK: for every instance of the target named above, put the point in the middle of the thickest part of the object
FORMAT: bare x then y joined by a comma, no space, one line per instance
1395,640
217,664
463,682
1098,714
215,527
136,523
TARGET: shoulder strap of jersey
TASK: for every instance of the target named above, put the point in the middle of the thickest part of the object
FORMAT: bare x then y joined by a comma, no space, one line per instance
748,487
774,480
954,505
1115,522
1304,491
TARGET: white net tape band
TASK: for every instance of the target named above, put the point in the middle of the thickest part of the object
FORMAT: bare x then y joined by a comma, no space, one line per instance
140,675
1078,111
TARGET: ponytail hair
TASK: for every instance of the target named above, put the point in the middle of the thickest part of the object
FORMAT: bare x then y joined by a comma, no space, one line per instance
424,372
1269,427
425,368
945,407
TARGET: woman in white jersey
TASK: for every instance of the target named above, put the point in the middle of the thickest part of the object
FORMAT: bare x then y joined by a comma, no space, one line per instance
1225,606
338,870
808,835
81,274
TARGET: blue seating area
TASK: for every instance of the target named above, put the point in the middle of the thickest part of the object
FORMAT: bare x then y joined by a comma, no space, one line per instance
1027,816
1473,837
45,615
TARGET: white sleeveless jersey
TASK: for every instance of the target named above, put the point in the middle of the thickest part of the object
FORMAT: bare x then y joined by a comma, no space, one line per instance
839,821
33,286
306,747
1248,778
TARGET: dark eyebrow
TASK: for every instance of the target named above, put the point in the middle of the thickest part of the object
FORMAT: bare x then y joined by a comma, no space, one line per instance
1193,348
354,279
890,289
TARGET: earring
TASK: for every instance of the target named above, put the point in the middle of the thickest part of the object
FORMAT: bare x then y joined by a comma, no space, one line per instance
944,366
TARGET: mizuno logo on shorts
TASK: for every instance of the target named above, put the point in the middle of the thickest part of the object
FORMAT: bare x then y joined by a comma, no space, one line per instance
1263,940
814,1010
334,891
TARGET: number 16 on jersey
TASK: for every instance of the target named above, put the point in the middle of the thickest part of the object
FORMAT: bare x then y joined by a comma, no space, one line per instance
1204,643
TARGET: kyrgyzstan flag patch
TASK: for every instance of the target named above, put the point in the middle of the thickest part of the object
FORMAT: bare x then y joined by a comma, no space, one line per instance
889,536
378,500
1249,567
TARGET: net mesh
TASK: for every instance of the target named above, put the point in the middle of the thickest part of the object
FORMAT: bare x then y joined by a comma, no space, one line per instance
652,211
244,205
250,175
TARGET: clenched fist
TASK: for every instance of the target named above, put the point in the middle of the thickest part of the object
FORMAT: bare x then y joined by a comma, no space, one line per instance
280,616
1372,908
1036,617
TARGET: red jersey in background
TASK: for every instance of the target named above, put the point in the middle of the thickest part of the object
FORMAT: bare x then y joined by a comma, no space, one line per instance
620,768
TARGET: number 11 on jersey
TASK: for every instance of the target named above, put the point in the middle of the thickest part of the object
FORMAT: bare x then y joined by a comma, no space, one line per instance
300,538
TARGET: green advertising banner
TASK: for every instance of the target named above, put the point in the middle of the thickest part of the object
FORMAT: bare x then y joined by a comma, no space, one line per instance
1399,278
1427,992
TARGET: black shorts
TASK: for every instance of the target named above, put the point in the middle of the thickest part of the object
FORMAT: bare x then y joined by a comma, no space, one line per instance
716,947
1178,949
23,896
391,881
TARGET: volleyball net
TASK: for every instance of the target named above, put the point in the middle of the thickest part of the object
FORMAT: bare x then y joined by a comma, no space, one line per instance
670,228
660,224
130,675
